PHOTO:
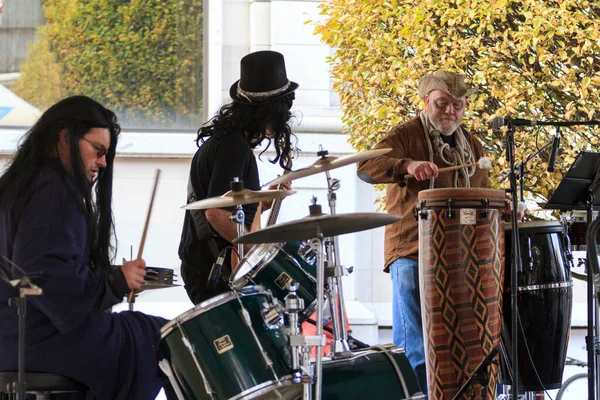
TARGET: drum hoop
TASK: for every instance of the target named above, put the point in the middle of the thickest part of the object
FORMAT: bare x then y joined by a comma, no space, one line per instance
241,281
536,225
557,285
258,390
365,353
462,194
211,303
460,203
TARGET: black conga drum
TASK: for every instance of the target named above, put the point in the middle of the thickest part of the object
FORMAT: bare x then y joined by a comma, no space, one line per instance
545,300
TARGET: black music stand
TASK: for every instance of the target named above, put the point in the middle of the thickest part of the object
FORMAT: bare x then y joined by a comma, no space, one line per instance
581,180
579,190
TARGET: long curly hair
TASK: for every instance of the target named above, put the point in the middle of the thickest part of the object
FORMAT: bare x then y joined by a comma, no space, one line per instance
76,114
253,121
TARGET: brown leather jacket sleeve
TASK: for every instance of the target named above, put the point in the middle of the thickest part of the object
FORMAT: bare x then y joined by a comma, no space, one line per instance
385,168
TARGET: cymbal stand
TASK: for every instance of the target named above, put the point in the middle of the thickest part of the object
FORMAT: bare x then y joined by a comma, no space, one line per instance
335,271
303,369
239,217
301,343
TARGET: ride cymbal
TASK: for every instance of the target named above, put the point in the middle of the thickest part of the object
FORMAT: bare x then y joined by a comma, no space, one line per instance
327,163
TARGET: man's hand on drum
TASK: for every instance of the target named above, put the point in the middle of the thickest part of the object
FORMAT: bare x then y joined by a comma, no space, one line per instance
135,272
422,170
266,205
521,207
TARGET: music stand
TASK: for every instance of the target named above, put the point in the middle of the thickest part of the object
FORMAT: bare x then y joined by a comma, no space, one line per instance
578,190
580,181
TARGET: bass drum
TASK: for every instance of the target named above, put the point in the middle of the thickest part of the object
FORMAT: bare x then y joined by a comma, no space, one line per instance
545,300
232,346
381,372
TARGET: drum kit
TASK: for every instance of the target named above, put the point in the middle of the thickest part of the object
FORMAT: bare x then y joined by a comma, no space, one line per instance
248,343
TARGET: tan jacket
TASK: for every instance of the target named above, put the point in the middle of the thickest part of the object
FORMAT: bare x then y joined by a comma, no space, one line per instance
408,143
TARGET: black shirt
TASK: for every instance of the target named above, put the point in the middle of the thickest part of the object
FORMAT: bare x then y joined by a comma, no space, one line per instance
215,164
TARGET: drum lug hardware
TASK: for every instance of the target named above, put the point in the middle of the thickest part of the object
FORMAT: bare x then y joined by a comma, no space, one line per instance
450,203
420,211
486,205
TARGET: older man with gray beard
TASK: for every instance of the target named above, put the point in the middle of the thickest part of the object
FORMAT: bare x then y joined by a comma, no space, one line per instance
433,139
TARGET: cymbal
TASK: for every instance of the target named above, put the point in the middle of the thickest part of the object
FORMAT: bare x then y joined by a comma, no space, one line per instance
238,197
327,163
147,285
311,226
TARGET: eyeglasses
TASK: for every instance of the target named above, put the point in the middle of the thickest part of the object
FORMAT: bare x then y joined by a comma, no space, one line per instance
100,150
443,105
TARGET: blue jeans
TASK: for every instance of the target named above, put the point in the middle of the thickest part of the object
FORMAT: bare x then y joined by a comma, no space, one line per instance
407,328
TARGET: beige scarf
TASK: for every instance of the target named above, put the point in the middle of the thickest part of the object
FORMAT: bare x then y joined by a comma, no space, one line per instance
459,155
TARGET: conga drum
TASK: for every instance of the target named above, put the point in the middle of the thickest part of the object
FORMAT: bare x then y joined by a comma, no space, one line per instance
461,271
545,301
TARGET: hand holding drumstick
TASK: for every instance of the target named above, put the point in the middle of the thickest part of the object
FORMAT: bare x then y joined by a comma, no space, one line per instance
426,170
137,265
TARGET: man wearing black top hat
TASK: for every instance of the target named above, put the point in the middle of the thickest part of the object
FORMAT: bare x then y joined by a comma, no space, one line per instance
260,110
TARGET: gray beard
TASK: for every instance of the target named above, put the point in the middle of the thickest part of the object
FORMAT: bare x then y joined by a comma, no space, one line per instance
446,131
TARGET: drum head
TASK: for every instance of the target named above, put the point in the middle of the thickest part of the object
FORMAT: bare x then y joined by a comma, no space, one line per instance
462,194
257,258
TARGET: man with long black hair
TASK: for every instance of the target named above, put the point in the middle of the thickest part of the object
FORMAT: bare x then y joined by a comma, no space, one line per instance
260,110
56,219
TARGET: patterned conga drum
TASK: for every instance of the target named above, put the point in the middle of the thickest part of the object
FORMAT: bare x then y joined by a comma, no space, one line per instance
461,271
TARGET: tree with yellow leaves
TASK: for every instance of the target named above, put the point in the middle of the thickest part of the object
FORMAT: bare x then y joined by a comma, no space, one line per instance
532,59
142,58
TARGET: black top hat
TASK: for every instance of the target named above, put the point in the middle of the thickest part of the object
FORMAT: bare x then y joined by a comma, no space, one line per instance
262,78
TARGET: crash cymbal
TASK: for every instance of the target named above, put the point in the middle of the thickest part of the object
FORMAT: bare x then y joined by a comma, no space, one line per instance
238,197
311,226
327,163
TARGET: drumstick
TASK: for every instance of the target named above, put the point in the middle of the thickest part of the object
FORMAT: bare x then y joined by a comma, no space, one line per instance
482,163
145,231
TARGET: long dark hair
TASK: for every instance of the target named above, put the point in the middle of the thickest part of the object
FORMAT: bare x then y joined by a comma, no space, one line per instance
76,114
252,120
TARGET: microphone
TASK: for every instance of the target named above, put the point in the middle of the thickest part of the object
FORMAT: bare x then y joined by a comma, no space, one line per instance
214,278
554,150
499,122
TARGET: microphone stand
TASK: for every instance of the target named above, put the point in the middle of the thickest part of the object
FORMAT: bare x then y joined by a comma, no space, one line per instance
516,265
517,172
480,376
26,288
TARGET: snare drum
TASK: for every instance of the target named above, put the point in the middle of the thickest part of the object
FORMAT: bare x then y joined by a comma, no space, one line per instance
212,348
378,373
274,265
461,267
545,300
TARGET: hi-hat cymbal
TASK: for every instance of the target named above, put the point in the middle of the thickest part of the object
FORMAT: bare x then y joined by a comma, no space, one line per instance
327,163
312,226
238,197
